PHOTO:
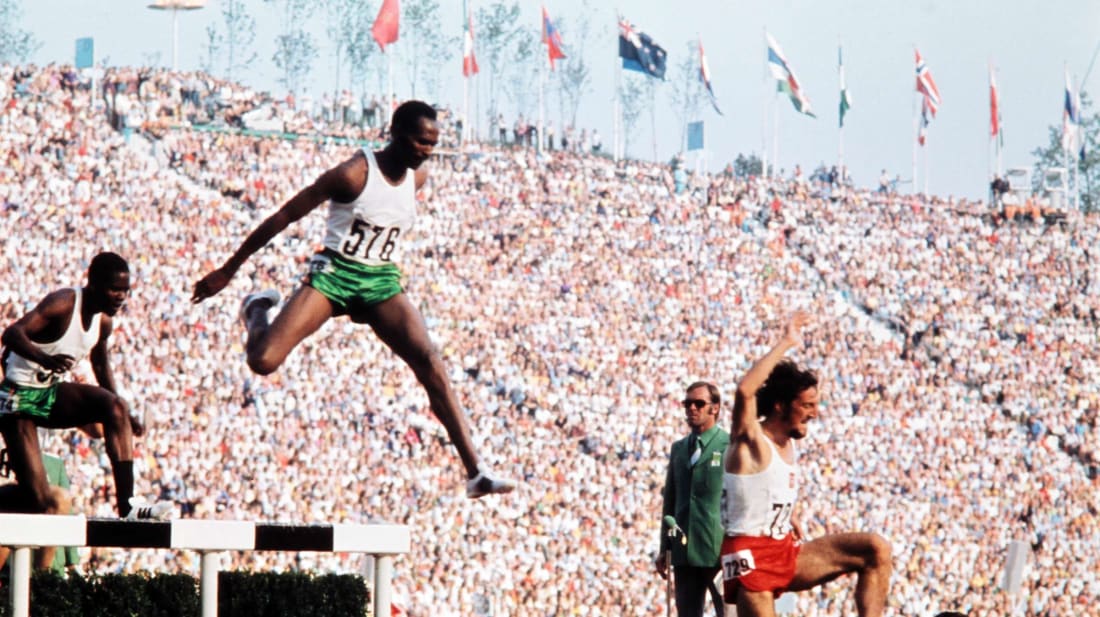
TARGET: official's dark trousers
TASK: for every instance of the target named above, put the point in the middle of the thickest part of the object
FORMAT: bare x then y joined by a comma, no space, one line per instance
692,586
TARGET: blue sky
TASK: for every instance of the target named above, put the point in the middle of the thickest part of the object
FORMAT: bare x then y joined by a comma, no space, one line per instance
1029,43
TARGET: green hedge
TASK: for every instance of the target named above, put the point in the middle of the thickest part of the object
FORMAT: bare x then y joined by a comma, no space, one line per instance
264,594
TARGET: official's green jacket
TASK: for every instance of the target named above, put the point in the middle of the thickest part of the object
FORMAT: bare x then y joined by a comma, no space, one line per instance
693,494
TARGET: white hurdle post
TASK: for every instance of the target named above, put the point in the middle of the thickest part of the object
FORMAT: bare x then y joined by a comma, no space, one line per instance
210,538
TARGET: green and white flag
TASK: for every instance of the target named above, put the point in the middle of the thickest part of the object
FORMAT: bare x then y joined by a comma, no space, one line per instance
845,100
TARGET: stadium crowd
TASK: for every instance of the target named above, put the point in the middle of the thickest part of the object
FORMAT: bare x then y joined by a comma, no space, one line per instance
957,350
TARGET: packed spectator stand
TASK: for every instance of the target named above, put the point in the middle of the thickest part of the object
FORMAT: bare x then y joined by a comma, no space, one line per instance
573,297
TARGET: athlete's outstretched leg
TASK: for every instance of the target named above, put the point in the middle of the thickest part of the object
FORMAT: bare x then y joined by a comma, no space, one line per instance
400,326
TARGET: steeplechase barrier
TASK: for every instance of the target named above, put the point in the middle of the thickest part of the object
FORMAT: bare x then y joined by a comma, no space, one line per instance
210,538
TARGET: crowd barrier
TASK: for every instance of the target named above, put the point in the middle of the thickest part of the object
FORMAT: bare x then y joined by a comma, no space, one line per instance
209,537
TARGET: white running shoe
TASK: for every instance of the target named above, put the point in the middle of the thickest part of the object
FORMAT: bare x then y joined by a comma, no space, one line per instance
269,295
484,483
141,510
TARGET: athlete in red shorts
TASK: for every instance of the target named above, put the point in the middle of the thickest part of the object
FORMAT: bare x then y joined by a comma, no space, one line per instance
761,556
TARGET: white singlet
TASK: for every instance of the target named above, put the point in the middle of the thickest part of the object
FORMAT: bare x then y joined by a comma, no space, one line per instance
368,229
75,342
760,504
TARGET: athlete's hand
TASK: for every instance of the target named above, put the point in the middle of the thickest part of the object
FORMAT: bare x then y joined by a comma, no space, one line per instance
58,363
210,284
793,332
136,427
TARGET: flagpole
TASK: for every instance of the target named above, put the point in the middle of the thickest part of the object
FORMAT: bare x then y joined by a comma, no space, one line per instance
462,138
775,132
840,140
764,124
926,173
916,136
542,73
992,122
618,147
1076,160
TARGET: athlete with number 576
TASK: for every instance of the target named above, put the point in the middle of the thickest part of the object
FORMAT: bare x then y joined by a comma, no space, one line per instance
372,204
764,554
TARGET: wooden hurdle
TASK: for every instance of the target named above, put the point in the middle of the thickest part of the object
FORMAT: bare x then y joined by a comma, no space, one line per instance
210,538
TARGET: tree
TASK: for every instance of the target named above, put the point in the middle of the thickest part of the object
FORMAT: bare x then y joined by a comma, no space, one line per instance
214,42
498,31
1088,167
349,24
521,84
425,48
240,35
686,90
636,95
16,46
574,75
745,166
295,50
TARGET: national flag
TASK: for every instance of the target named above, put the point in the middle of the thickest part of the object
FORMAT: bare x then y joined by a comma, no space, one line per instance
552,38
784,75
386,24
639,52
845,100
925,119
1071,120
926,85
704,74
994,106
695,136
469,60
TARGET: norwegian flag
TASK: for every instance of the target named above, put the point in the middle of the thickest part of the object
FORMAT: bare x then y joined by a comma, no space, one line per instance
469,60
927,86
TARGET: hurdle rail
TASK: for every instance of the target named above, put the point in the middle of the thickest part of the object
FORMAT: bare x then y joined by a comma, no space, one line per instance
209,538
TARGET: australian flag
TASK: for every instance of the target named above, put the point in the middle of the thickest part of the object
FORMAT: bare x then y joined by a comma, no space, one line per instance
639,52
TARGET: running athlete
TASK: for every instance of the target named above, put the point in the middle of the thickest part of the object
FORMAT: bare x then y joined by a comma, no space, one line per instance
762,555
39,349
372,205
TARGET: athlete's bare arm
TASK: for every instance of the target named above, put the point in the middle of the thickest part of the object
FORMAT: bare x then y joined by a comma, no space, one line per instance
43,324
342,183
747,452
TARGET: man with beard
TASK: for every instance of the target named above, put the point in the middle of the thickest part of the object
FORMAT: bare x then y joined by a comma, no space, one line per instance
764,554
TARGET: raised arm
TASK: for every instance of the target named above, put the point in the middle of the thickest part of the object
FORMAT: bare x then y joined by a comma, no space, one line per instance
745,449
343,183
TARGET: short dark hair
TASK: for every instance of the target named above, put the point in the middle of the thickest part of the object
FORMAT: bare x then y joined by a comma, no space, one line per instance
715,397
950,614
104,266
783,385
406,118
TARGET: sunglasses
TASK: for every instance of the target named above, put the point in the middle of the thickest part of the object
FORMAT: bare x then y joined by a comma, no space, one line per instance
697,403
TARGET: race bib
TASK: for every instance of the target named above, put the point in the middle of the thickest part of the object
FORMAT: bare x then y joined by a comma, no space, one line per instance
736,565
7,402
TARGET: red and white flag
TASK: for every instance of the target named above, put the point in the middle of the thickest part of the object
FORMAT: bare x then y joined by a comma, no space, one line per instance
386,24
704,75
927,86
469,60
994,106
